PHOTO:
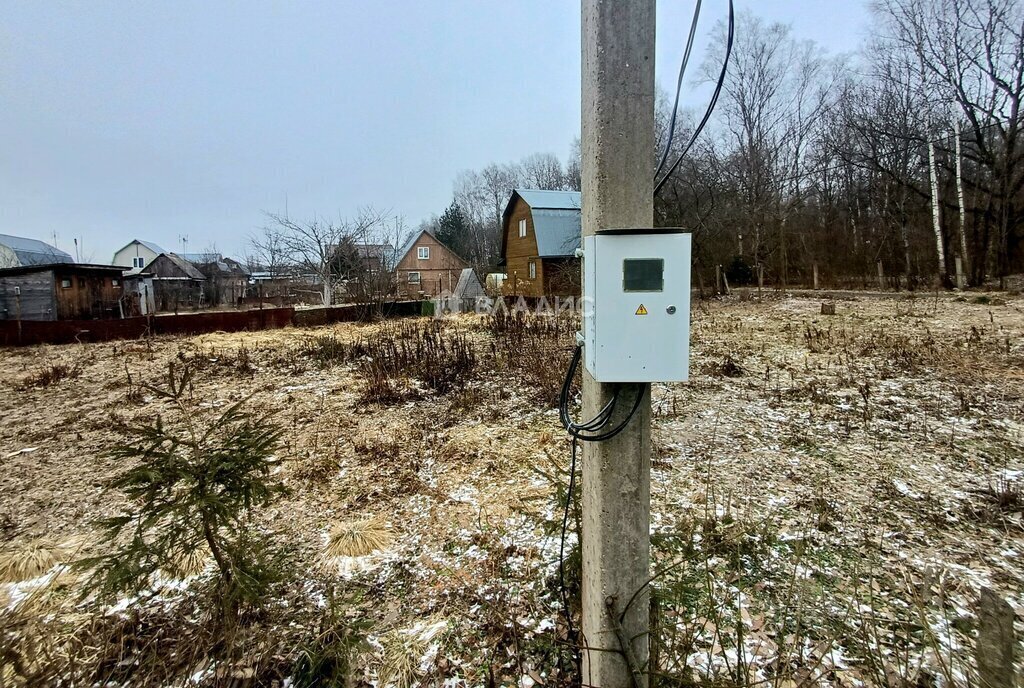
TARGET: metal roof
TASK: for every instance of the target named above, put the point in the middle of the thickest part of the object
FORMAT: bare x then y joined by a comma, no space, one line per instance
537,198
34,252
190,270
208,260
148,244
556,220
558,232
151,246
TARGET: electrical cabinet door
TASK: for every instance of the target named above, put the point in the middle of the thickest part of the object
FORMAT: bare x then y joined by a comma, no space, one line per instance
636,305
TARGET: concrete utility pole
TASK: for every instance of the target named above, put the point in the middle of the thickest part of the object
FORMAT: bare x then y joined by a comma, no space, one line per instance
618,192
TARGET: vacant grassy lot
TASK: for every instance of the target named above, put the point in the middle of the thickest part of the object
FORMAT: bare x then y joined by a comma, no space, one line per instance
830,495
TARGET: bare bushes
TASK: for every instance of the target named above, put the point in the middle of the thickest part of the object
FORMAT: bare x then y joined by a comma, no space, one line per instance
325,350
399,359
536,349
409,359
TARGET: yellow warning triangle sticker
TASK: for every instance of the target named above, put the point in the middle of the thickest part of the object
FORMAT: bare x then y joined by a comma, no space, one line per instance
641,310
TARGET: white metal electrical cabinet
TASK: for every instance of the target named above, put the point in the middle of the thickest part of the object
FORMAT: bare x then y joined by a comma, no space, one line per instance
636,305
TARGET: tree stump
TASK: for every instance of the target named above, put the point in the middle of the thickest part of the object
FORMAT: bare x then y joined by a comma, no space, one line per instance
828,309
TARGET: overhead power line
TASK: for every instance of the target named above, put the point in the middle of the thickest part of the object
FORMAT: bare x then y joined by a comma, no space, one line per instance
679,87
711,105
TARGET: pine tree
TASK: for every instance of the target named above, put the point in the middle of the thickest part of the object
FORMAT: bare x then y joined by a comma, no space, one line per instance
190,488
453,229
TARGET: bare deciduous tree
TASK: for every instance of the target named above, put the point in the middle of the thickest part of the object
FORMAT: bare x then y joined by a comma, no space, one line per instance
313,246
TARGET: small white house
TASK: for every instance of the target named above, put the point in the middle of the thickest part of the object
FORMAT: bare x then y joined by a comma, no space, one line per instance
137,255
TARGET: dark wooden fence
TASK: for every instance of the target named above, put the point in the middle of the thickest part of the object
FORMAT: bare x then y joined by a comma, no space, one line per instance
29,332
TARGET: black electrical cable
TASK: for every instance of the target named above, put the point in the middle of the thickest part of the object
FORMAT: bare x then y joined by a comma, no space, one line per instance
577,433
570,631
679,87
711,105
577,430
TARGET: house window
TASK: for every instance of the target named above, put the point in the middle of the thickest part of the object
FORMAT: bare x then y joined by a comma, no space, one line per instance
114,282
65,283
533,270
414,277
138,262
522,229
423,253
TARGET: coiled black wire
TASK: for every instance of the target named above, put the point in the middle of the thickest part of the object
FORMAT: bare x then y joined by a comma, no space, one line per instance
577,430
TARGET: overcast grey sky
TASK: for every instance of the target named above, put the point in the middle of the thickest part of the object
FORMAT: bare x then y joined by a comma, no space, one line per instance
150,120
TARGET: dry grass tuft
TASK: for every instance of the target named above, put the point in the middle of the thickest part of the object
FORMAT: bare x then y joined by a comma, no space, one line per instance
357,538
188,564
28,560
50,375
404,651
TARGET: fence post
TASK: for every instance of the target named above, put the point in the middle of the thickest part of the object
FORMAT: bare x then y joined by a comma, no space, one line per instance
17,309
881,277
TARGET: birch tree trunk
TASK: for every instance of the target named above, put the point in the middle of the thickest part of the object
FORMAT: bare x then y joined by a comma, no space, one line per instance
328,290
960,200
935,211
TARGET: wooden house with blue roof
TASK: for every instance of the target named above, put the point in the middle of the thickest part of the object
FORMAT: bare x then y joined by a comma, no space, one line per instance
540,235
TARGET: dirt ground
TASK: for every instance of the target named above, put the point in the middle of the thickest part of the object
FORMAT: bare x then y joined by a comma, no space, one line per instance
838,489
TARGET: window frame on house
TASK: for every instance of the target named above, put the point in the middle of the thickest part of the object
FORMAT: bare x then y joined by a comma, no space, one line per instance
115,282
417,274
138,262
422,253
522,228
65,283
533,269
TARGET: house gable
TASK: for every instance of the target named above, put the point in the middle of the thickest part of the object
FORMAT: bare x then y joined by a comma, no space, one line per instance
137,248
171,266
554,222
440,257
434,274
537,263
517,251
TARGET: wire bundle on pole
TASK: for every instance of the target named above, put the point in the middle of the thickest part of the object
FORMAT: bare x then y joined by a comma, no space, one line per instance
578,430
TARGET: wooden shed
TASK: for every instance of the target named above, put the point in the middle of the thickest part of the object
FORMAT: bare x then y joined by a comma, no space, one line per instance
226,280
62,291
177,284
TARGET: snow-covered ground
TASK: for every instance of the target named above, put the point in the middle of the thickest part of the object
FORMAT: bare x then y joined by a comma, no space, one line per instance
829,493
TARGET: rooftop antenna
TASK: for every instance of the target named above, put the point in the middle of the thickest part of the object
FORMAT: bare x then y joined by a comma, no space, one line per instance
78,257
184,243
